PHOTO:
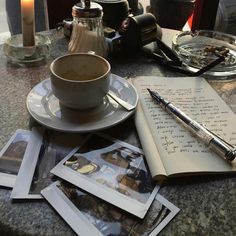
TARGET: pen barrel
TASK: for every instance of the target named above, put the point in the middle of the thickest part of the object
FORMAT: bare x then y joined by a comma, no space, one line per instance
223,149
195,128
203,134
216,144
178,114
213,142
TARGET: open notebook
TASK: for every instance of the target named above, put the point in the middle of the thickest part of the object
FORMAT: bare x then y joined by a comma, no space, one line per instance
170,149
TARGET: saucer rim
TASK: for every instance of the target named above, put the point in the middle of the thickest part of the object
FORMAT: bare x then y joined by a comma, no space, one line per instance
78,128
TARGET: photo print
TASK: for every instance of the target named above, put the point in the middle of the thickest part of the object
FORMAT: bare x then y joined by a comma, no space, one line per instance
46,149
89,215
112,170
11,157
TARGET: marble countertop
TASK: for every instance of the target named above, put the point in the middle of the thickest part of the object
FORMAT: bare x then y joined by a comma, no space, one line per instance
208,204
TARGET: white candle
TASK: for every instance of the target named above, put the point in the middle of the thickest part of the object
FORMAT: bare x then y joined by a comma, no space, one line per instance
27,20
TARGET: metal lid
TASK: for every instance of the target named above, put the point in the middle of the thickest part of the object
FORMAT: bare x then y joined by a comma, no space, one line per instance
87,9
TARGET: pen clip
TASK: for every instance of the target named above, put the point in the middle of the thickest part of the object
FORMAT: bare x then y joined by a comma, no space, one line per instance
217,136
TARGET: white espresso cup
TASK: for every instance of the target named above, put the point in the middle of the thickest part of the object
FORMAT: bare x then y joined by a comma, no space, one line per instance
80,80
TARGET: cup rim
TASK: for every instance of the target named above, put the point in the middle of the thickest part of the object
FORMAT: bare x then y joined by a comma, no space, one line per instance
76,54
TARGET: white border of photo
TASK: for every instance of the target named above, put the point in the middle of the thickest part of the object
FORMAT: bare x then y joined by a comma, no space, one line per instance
77,220
41,157
6,179
26,172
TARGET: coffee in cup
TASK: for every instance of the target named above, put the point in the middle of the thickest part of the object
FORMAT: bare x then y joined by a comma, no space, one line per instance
80,80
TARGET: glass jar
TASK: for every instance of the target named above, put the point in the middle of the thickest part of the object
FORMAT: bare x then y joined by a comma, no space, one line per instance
87,34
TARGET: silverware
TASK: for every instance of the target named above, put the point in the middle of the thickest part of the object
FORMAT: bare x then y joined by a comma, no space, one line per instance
121,102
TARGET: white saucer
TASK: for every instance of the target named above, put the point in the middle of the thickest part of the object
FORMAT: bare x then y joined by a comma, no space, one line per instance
44,107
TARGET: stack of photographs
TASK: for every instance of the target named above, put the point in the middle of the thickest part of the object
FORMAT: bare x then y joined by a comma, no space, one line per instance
93,180
44,151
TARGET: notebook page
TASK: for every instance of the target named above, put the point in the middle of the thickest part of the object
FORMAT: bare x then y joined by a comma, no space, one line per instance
179,150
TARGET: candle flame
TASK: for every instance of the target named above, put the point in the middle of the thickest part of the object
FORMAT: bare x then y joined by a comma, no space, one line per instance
27,2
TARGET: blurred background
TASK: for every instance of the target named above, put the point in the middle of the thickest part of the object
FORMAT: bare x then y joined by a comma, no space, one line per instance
217,15
3,17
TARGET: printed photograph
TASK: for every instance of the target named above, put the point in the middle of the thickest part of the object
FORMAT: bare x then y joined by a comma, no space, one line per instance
113,165
45,149
102,218
55,146
13,153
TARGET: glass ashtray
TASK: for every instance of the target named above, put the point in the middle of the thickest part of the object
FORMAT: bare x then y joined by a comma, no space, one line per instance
198,49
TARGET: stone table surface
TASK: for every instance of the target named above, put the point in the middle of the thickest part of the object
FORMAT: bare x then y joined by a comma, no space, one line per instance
208,204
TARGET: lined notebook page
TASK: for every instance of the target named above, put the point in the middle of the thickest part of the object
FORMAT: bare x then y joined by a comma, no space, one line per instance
178,149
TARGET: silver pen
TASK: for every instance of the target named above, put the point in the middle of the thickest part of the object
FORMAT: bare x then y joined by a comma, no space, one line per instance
217,144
